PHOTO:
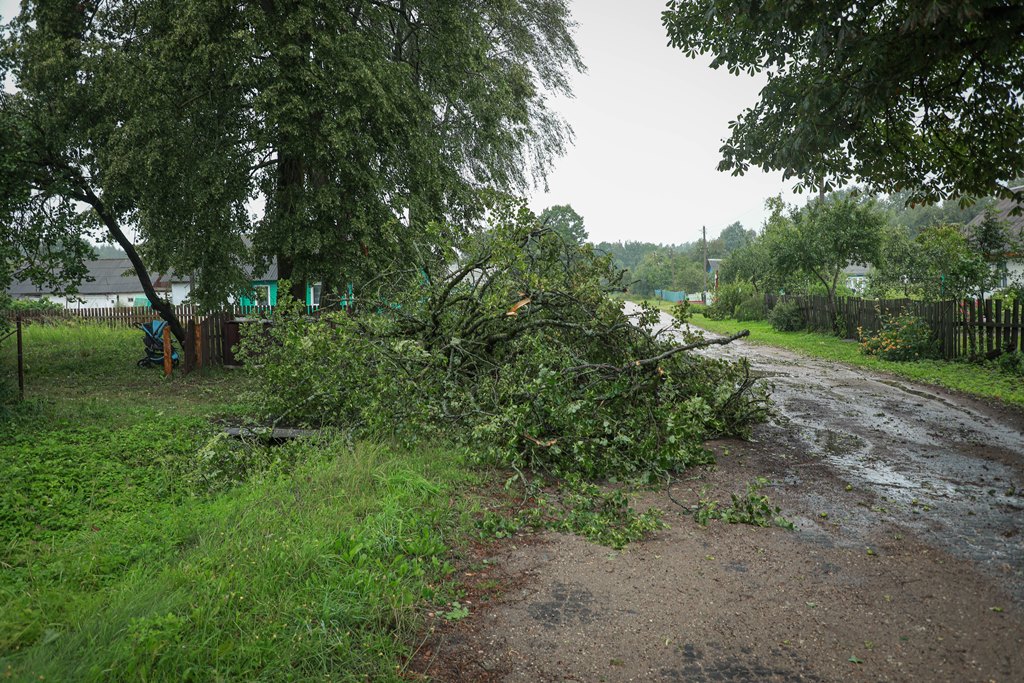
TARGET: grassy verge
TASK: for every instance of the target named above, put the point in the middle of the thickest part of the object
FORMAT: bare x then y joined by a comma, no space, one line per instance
971,378
137,544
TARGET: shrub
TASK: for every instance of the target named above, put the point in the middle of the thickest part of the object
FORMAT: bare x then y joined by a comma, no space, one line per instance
1011,363
751,308
901,338
728,299
787,316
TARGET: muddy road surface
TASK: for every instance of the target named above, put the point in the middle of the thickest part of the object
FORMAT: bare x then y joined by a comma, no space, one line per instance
907,562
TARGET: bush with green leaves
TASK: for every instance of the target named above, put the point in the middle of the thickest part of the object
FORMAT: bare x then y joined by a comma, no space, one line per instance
508,343
1012,363
787,316
901,338
751,308
727,299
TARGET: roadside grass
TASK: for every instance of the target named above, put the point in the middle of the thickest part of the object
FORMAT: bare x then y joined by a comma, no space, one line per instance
980,380
138,544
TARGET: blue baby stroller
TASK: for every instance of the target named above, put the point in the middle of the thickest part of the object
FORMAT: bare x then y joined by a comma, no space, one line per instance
154,341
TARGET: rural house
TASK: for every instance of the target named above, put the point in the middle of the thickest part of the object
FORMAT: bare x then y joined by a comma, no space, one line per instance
110,283
1014,245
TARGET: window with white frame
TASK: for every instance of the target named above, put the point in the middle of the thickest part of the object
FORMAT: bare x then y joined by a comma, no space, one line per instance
261,295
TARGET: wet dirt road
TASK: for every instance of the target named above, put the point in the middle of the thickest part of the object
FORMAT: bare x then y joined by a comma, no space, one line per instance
907,563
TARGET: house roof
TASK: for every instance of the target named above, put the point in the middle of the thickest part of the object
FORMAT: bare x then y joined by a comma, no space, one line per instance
856,270
1014,224
268,275
105,276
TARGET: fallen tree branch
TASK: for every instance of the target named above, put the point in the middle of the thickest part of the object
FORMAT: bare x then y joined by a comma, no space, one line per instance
720,341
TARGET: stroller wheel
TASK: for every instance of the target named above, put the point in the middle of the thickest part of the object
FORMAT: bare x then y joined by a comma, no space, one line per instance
144,363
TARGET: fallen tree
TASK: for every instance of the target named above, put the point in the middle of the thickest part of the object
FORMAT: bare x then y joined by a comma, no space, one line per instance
517,351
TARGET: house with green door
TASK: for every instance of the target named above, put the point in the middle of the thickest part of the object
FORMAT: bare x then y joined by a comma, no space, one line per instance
263,293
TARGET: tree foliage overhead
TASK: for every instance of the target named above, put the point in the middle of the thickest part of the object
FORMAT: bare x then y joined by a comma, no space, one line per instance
358,122
923,97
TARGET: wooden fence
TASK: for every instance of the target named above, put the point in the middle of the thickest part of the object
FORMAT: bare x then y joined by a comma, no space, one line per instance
960,328
128,316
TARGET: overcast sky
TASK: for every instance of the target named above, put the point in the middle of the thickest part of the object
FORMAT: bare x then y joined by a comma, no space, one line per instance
648,125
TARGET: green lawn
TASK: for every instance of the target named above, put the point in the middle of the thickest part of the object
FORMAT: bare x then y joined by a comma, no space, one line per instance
984,381
136,543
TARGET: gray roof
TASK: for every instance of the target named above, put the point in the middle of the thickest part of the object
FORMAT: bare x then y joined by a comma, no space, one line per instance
106,276
269,275
855,270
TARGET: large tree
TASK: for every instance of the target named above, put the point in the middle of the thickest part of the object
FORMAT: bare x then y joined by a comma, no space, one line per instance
735,237
564,220
358,123
907,95
824,237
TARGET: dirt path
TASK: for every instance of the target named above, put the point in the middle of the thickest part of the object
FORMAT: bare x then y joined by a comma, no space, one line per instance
907,563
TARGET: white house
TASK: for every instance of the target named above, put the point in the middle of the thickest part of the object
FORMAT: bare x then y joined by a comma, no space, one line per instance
1014,247
855,277
106,286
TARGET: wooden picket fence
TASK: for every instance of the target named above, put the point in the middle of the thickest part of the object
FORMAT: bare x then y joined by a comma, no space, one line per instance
966,328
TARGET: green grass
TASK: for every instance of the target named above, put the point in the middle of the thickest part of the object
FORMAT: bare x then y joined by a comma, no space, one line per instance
984,381
137,544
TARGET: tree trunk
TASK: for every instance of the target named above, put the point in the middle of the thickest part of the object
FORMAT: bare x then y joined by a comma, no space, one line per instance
286,271
161,305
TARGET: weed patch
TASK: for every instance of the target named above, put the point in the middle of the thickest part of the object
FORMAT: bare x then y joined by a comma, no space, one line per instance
136,543
602,516
751,507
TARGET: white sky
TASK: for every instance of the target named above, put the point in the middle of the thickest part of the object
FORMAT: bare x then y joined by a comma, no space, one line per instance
648,124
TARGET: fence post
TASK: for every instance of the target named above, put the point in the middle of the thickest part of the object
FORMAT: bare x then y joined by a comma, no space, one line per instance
199,345
21,361
168,363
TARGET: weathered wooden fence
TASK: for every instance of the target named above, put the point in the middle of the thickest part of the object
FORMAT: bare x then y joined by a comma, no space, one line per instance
961,328
989,326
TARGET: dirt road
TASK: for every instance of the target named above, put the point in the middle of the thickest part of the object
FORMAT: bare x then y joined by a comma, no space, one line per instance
907,563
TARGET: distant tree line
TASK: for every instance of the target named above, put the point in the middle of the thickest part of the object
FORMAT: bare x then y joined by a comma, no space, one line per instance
676,267
917,252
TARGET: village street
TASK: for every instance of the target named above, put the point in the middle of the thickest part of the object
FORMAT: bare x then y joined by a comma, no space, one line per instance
907,562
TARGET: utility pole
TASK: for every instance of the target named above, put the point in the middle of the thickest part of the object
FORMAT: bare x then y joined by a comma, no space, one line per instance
704,293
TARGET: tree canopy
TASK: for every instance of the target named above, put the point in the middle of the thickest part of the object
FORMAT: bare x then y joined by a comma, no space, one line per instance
938,263
824,237
359,123
922,97
564,220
